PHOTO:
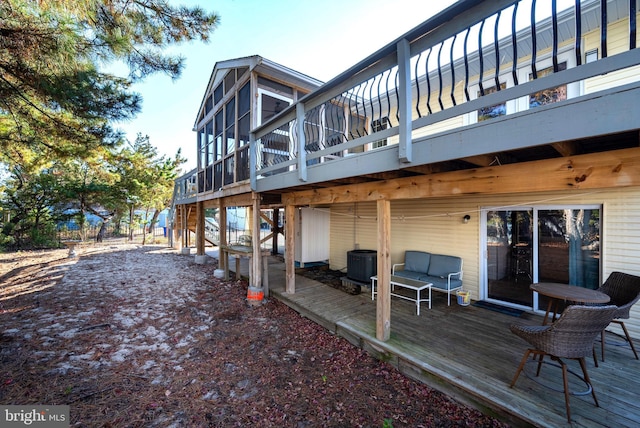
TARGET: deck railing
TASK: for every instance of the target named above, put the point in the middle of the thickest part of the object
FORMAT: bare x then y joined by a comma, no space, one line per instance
186,187
473,61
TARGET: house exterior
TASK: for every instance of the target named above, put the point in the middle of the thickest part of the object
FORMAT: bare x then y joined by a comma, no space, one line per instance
520,115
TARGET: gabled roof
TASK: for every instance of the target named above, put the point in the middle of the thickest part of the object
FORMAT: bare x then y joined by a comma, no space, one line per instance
261,65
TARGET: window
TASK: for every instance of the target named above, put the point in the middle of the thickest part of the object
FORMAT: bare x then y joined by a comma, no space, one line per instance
230,123
276,146
244,127
548,96
489,112
202,143
275,86
377,126
271,105
209,149
228,170
244,99
208,105
244,108
218,93
242,167
229,81
219,129
544,68
240,71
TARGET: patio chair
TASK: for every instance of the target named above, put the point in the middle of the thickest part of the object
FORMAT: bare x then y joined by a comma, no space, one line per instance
570,337
624,291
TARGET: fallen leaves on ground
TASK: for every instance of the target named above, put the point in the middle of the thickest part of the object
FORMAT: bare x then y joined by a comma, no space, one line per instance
132,336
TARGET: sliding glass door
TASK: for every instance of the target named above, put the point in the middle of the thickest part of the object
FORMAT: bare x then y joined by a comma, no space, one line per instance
563,247
569,248
509,256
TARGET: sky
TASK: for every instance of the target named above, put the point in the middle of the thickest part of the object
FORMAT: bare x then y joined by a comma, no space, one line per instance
318,38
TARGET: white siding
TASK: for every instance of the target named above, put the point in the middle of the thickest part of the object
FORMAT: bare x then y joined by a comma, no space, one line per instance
435,225
441,126
353,226
618,41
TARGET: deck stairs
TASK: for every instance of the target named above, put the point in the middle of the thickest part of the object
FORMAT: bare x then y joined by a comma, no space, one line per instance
212,230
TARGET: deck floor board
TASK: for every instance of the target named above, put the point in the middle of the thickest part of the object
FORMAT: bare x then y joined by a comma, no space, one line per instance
469,353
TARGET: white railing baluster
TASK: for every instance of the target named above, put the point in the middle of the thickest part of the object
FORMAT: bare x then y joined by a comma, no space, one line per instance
302,153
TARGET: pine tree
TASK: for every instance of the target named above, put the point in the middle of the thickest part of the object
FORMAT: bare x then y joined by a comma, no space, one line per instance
54,98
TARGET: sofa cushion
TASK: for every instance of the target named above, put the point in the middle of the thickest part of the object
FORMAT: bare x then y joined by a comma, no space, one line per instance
441,283
417,261
442,265
410,274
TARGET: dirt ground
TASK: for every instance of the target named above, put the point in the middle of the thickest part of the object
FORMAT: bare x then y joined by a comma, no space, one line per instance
132,336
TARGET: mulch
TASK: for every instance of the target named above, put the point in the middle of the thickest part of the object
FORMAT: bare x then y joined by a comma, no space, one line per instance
133,336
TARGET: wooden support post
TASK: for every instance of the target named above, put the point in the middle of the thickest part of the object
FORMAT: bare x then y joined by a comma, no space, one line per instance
265,275
201,256
184,230
200,232
177,227
383,308
183,227
275,228
289,252
223,262
256,268
186,227
249,224
175,232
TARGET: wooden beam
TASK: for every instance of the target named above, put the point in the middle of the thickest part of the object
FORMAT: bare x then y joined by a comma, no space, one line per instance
566,148
432,168
240,200
289,252
266,218
482,160
240,190
619,168
383,308
266,238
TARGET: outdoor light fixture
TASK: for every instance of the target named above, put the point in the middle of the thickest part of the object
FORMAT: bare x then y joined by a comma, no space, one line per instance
466,218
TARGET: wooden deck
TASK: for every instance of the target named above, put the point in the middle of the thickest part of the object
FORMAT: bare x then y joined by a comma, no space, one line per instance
470,354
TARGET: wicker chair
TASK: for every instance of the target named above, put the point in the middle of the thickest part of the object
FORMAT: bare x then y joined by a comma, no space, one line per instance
571,336
624,291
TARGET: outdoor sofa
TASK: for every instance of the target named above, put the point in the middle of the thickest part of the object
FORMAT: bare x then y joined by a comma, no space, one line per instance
444,272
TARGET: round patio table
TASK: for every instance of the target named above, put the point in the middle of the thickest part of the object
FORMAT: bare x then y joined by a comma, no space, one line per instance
568,293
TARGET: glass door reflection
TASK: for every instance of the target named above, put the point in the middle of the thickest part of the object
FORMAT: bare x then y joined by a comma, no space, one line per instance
510,256
569,248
